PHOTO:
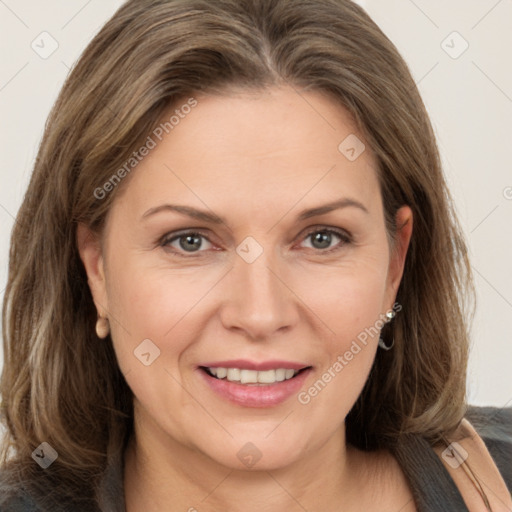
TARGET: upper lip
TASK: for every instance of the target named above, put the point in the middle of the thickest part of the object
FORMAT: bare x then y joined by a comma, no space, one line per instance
245,364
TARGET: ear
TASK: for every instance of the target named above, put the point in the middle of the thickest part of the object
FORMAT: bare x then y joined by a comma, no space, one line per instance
404,223
90,250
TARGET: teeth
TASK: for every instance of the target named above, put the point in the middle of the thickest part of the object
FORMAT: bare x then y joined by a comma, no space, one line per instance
253,376
221,372
233,374
267,377
248,376
280,374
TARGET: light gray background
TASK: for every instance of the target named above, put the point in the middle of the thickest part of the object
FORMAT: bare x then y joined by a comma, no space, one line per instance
469,99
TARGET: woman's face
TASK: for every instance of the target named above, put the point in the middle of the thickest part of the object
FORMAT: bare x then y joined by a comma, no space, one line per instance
248,239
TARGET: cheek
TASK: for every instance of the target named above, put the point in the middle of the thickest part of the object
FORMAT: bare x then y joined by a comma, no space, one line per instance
349,307
156,313
159,304
347,298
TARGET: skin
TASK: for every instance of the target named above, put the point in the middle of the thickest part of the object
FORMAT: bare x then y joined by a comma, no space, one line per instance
257,160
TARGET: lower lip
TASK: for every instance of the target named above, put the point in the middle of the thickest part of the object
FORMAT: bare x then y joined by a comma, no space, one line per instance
247,395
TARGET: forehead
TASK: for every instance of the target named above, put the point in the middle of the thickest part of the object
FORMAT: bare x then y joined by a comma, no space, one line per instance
268,148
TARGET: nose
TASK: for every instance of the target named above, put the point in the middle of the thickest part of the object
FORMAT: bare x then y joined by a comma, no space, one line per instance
258,300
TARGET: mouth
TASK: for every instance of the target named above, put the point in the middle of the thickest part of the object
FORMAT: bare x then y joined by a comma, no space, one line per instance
255,388
253,377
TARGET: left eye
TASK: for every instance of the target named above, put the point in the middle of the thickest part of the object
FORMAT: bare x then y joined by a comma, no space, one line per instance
322,238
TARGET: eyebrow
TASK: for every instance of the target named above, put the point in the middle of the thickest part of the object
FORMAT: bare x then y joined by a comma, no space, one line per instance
336,205
215,219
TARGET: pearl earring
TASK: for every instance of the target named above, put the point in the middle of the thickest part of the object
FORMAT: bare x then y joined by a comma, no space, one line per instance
102,327
389,315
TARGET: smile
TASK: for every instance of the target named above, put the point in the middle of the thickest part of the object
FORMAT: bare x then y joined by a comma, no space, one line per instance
252,376
254,388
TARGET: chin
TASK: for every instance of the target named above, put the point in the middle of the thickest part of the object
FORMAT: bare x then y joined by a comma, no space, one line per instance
256,455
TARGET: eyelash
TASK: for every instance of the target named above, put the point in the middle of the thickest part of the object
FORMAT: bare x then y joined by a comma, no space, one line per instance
171,237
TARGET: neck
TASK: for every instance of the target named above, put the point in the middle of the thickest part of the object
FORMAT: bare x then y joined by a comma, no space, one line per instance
162,473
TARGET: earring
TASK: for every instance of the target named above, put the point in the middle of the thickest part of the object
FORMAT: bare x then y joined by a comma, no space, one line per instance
383,345
102,327
389,315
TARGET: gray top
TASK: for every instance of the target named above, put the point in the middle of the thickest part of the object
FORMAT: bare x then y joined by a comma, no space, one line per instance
432,485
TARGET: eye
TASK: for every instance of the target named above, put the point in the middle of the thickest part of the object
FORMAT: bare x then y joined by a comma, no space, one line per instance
322,238
190,242
195,242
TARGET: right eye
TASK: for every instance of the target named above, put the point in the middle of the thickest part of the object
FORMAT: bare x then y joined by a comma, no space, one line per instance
184,242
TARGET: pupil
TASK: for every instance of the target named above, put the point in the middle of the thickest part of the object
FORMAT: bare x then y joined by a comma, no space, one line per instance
193,241
323,239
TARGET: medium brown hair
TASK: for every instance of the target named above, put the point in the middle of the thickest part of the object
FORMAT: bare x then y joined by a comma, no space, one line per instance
60,383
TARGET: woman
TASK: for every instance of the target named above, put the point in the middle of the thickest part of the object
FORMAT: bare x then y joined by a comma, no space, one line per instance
237,279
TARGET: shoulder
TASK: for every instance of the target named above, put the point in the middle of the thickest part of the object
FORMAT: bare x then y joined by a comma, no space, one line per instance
40,495
494,426
479,458
15,499
18,504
